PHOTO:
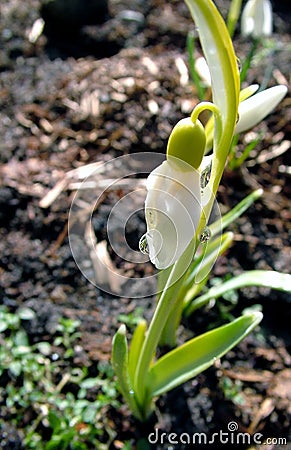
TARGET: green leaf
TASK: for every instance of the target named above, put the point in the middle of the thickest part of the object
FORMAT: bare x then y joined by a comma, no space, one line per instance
196,355
15,368
90,383
89,414
21,339
54,421
120,365
3,325
26,313
248,61
44,348
135,347
237,211
54,443
262,278
61,441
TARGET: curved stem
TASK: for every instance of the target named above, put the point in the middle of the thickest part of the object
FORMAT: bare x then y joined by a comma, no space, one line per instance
203,106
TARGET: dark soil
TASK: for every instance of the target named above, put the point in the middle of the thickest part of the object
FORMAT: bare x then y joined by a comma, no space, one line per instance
113,89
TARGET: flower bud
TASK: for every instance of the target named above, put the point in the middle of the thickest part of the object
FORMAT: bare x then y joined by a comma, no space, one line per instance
257,20
172,210
254,109
187,142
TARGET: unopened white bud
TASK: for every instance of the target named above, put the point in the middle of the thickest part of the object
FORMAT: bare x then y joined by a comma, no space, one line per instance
254,109
257,19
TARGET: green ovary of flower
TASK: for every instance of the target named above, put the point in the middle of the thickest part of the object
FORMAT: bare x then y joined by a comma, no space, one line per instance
187,142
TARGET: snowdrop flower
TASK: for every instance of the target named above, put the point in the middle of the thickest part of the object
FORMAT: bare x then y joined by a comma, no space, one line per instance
254,109
173,202
172,209
257,20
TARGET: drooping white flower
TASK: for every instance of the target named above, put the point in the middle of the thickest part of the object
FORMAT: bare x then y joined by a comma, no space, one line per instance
257,19
172,210
254,109
173,204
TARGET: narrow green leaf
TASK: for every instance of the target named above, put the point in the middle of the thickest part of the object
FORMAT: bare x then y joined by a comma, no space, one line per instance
120,365
135,347
237,211
247,63
262,278
196,355
238,161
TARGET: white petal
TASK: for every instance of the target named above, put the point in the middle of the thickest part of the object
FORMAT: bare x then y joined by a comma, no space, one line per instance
172,209
257,18
254,109
247,18
268,18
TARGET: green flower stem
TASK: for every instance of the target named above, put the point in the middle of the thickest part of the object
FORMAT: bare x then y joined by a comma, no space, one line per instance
202,106
162,312
248,61
263,278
